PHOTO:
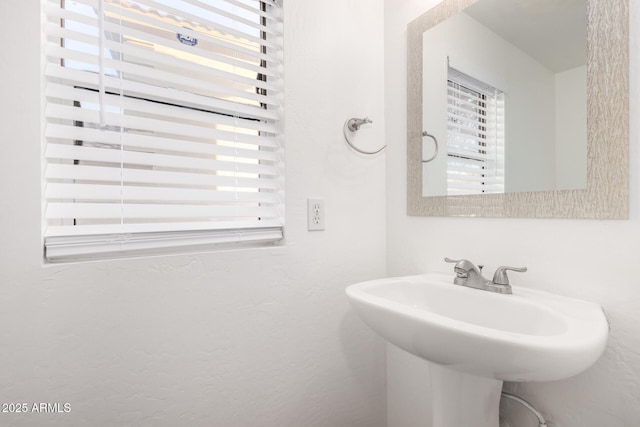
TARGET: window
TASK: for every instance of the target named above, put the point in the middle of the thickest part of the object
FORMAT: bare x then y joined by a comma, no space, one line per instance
475,136
163,125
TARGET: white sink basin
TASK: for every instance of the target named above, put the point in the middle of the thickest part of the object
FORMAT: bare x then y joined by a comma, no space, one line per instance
527,336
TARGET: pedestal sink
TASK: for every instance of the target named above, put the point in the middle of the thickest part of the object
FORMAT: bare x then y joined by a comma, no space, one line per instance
478,339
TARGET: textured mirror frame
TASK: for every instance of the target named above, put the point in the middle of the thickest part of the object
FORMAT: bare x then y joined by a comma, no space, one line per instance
607,192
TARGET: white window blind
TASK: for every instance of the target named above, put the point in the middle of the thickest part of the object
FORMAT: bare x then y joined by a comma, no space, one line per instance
475,136
163,125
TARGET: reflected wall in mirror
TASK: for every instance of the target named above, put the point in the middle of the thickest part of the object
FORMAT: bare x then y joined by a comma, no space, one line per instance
507,85
528,101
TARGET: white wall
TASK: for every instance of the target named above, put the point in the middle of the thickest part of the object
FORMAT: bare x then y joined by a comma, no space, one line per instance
530,98
571,128
593,260
255,337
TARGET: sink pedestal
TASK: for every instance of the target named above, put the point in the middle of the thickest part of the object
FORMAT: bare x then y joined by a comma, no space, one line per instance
461,399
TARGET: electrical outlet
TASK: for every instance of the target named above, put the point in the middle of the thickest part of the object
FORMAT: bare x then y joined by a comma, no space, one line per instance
315,214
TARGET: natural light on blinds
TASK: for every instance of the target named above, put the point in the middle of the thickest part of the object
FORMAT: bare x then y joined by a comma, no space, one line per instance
163,125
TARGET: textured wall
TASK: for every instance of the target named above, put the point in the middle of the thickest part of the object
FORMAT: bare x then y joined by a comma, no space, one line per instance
255,337
593,260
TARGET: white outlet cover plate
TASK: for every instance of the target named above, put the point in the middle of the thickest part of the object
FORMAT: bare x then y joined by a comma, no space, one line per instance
315,214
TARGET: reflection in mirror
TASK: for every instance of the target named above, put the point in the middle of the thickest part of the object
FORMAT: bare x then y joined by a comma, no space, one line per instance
505,95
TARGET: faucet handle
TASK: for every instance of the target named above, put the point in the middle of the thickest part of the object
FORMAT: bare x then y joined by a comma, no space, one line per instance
500,277
459,273
463,267
458,261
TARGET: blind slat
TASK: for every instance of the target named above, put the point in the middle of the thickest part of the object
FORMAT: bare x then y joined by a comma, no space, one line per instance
56,191
473,151
154,211
60,172
93,136
143,124
109,155
462,136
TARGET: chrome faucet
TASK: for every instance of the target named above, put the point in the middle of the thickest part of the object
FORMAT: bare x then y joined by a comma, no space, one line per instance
469,275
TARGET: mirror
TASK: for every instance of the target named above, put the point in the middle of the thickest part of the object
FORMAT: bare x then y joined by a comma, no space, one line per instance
507,88
528,105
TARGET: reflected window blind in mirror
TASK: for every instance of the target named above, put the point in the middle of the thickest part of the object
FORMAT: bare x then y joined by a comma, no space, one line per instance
475,136
162,125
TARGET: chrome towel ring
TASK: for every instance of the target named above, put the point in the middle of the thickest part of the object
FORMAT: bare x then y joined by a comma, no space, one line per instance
435,141
352,126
